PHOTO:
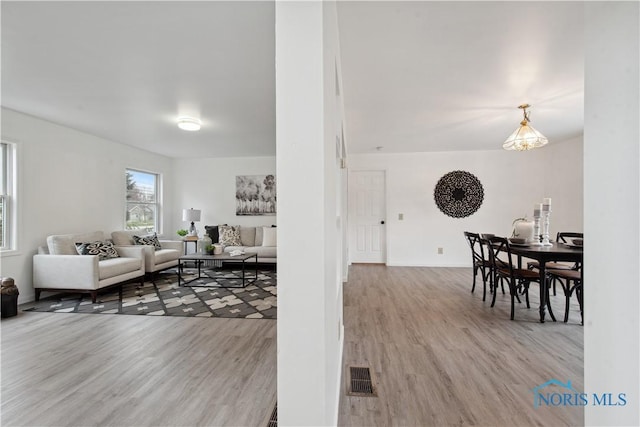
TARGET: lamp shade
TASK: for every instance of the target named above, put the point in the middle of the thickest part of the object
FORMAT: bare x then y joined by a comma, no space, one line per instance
191,215
525,138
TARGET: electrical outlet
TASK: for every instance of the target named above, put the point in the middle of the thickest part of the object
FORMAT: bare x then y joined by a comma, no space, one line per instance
440,251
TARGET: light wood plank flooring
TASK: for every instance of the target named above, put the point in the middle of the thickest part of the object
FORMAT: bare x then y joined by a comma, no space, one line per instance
442,356
116,370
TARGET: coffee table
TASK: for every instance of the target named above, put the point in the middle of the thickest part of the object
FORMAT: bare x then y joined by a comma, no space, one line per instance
205,262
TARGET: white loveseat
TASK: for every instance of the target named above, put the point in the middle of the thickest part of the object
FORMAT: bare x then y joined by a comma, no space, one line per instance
154,259
58,266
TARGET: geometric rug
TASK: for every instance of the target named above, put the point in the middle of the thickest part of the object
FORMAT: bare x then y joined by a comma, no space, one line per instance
165,298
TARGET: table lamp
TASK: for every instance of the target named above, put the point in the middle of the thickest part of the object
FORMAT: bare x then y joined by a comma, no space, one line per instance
191,215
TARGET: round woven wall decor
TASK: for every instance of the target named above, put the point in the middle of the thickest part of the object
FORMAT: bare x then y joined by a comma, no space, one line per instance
458,194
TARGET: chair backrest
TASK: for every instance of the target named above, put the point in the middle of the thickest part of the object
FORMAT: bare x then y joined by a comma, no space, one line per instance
477,248
562,236
501,257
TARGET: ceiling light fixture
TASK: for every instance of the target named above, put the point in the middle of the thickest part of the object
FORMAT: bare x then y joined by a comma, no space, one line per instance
189,123
525,137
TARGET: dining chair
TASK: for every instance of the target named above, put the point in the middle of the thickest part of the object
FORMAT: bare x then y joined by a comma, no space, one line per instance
518,279
486,243
571,282
561,237
480,261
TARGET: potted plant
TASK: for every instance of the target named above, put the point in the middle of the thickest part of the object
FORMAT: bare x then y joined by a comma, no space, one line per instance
209,249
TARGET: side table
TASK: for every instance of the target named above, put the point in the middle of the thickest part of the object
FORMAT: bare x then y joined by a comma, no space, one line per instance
190,239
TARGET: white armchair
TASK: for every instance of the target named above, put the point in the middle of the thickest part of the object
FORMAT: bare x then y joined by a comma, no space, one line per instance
58,267
155,260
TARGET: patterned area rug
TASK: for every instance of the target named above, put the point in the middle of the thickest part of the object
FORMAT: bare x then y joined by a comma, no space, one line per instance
165,298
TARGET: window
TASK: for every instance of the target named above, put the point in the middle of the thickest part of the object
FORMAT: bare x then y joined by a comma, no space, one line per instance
7,196
143,205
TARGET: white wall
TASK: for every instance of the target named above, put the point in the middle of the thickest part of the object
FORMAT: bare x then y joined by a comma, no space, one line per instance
612,212
334,212
309,285
513,182
69,182
210,185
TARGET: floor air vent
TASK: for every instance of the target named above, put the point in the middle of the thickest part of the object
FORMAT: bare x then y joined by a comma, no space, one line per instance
361,383
273,421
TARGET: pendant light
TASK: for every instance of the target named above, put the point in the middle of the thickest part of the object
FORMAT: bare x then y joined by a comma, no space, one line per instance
525,137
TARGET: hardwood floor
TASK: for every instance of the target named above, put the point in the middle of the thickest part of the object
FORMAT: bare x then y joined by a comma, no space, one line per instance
442,356
117,370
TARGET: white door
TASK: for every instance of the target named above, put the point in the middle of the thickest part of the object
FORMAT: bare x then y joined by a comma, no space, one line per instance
367,213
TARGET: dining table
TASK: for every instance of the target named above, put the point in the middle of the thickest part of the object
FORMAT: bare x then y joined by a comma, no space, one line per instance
543,254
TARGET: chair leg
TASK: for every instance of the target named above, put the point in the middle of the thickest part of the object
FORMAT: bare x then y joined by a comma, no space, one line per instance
579,295
475,272
548,298
496,278
484,283
94,296
38,291
514,293
567,302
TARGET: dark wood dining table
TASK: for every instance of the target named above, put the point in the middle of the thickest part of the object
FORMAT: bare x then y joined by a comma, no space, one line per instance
544,254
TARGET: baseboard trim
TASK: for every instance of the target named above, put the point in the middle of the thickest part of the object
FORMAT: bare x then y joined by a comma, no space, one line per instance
393,264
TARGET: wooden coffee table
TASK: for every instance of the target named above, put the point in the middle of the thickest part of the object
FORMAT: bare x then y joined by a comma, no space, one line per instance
205,262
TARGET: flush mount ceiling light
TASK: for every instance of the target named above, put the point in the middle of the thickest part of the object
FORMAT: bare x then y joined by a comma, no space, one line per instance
189,123
525,137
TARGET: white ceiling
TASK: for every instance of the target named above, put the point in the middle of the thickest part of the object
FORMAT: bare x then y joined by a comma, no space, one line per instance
440,76
417,76
126,70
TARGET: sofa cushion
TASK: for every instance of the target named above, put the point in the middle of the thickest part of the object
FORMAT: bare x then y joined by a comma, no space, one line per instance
263,251
166,255
269,236
230,235
65,244
259,235
248,236
148,240
104,250
117,266
123,237
212,232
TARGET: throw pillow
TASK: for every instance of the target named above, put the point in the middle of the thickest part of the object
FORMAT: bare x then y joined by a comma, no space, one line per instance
212,232
150,240
230,235
269,236
104,250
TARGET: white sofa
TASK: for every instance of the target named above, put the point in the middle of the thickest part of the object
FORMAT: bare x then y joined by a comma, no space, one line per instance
58,267
154,260
252,239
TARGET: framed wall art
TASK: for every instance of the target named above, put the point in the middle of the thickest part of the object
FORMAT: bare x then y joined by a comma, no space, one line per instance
255,195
